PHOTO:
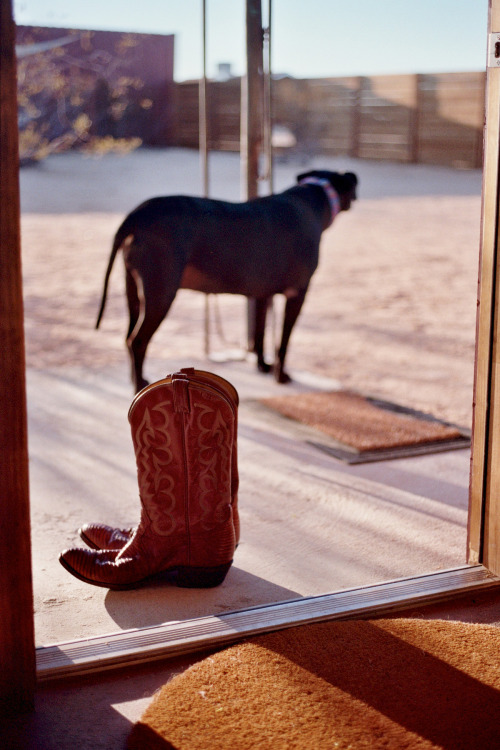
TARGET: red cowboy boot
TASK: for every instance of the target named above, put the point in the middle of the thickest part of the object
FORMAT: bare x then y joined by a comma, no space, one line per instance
183,429
102,536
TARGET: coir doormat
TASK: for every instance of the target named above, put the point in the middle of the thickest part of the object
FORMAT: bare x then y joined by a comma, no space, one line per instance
395,684
365,429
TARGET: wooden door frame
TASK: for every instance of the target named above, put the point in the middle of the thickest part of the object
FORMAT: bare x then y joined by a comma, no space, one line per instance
483,544
17,649
481,571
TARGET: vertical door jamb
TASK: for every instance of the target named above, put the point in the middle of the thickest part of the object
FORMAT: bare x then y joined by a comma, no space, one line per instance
484,502
17,640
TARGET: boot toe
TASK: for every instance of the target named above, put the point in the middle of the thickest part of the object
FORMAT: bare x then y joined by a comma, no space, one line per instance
91,566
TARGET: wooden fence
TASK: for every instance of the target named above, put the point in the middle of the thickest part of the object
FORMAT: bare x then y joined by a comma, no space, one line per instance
430,119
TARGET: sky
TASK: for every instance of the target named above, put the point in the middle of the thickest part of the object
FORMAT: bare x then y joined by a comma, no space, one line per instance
310,38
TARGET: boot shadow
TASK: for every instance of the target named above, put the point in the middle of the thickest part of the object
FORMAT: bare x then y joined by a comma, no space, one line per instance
159,601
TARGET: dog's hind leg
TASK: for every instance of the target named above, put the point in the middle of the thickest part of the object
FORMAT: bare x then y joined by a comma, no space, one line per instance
133,301
149,302
292,310
259,322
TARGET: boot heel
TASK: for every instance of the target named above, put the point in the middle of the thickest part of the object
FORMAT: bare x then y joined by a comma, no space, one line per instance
201,578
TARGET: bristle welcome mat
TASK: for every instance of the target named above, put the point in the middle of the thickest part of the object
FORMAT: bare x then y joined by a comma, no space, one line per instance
402,684
362,429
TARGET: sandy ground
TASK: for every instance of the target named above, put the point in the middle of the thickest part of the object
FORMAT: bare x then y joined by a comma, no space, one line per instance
391,312
391,309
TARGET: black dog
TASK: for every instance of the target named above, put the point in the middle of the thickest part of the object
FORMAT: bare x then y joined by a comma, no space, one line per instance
264,247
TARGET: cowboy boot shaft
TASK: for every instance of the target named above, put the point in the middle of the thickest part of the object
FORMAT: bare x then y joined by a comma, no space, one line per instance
210,437
231,395
183,433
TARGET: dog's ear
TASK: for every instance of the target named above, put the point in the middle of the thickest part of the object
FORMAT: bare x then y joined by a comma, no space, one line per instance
351,179
343,183
301,177
315,173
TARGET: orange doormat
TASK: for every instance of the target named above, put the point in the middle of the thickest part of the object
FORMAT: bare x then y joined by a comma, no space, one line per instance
366,428
397,684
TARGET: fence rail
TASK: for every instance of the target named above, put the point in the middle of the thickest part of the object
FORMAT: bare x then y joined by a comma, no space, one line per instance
430,119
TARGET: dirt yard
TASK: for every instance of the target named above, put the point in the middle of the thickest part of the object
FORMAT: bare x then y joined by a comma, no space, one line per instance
391,310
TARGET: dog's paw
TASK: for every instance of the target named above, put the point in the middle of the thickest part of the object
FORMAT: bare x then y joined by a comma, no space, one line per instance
282,377
140,384
263,366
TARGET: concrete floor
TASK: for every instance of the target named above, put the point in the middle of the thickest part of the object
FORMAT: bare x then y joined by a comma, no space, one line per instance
310,524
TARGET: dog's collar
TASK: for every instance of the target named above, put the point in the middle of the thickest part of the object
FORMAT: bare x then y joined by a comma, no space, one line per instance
332,195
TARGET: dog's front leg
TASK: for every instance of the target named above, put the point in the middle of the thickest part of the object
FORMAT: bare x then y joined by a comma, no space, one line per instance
259,326
292,309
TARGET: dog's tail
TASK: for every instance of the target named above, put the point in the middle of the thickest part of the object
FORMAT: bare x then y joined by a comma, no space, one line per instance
120,236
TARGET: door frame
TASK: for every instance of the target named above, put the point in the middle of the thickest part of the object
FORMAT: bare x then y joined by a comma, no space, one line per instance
480,572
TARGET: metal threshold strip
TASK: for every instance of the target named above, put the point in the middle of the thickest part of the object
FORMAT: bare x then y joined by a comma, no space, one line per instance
125,648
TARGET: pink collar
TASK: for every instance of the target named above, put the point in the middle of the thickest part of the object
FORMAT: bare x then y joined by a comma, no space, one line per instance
332,195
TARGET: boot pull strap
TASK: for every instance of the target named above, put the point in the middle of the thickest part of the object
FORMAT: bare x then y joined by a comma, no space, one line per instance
180,385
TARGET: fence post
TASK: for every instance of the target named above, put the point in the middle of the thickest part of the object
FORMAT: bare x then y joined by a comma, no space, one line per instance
251,102
414,124
202,109
357,103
